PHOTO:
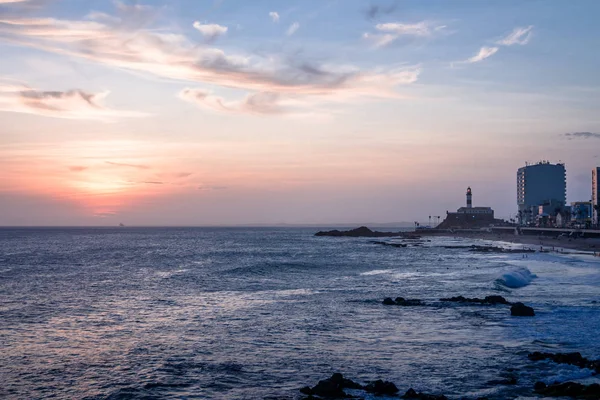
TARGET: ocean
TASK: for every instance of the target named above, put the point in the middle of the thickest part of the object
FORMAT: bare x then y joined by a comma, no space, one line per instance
252,313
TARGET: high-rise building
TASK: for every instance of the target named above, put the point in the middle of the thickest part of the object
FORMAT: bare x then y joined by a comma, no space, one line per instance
538,184
596,194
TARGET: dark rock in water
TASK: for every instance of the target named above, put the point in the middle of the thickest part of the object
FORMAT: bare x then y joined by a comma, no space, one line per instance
521,310
332,387
306,390
568,389
409,302
495,300
401,301
567,358
380,387
389,302
412,394
487,300
345,383
363,231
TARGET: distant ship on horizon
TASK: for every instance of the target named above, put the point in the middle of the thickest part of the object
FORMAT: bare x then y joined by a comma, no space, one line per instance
121,225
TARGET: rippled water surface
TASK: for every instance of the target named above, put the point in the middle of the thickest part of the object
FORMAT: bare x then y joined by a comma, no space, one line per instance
255,313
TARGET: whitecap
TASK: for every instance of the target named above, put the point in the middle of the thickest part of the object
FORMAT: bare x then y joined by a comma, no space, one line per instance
516,278
377,272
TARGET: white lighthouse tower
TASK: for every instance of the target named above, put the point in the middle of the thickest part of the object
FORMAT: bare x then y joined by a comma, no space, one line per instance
469,198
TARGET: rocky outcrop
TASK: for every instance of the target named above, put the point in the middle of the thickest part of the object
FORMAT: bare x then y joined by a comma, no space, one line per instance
412,394
363,231
521,310
487,300
332,387
381,388
401,301
568,389
567,358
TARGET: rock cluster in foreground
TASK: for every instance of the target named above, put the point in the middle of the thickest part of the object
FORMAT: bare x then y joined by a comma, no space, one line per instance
487,300
569,389
567,358
333,388
521,310
516,310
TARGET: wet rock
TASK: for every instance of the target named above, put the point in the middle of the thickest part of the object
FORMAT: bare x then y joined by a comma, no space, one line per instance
401,301
332,387
495,299
521,310
306,390
344,382
487,300
389,302
380,387
566,358
408,302
412,394
568,389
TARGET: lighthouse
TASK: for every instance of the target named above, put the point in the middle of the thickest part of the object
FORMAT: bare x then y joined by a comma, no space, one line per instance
469,198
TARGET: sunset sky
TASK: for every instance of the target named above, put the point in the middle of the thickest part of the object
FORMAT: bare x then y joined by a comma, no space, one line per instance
204,112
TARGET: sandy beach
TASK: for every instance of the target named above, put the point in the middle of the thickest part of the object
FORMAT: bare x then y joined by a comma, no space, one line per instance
563,245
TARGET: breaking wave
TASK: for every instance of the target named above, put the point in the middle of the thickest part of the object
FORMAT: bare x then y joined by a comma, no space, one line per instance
517,278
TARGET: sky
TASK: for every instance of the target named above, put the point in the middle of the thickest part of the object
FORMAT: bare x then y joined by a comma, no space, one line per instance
207,112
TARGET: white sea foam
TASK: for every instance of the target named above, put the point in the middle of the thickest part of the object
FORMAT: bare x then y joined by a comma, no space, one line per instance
516,278
565,373
378,272
169,274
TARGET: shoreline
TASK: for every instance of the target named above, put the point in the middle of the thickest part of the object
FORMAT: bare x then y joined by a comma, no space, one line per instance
588,246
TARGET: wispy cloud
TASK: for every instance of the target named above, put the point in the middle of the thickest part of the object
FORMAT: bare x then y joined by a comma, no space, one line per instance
71,104
77,168
274,16
582,135
517,36
273,103
392,31
127,165
292,29
483,53
129,41
210,31
257,103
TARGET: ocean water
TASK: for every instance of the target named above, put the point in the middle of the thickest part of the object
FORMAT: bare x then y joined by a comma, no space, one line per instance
155,313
